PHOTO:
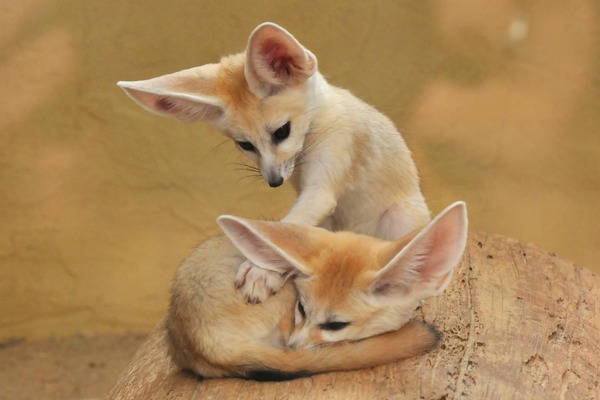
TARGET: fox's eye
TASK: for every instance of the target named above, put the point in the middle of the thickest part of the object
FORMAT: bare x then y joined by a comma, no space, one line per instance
301,309
334,326
282,133
246,146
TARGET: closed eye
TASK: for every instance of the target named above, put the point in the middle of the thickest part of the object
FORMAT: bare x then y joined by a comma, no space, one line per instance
334,326
282,133
301,309
246,146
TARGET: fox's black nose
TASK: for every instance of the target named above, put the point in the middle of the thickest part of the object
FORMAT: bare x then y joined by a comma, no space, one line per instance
275,182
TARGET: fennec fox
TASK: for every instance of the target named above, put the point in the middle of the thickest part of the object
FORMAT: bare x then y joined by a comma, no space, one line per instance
350,166
346,306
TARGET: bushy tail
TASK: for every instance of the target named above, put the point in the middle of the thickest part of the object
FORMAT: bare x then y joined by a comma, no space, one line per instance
412,339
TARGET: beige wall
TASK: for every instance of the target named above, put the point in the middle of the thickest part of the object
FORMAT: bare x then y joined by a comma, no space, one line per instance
99,201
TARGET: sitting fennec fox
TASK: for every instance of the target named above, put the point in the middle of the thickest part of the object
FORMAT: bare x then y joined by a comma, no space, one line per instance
354,290
348,163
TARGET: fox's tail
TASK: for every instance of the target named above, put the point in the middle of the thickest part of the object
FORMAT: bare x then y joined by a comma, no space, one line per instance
270,363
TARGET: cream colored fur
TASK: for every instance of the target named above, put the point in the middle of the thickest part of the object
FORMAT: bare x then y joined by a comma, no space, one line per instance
350,166
311,325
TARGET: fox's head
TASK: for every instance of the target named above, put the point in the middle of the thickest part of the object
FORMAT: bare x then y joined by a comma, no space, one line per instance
263,98
353,286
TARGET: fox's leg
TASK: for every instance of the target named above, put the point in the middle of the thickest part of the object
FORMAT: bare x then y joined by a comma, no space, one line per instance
397,221
312,206
327,223
257,283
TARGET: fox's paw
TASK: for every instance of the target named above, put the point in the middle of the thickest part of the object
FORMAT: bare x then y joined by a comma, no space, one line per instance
257,284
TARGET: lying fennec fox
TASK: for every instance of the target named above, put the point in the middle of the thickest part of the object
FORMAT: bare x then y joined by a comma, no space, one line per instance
352,289
348,163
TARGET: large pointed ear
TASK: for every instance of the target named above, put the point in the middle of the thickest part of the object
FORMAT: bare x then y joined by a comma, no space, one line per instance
275,59
186,95
261,243
424,266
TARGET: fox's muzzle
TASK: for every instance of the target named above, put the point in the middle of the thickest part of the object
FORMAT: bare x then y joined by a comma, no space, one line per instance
273,177
275,181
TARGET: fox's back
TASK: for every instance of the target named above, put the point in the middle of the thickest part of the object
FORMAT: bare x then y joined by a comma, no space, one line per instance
380,171
207,312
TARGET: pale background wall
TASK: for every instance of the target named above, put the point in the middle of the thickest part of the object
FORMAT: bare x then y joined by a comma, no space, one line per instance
100,201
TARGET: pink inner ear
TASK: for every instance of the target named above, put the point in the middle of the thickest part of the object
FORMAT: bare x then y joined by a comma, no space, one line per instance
164,104
445,247
278,59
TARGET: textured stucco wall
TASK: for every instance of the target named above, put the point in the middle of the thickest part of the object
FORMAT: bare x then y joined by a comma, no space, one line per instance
99,201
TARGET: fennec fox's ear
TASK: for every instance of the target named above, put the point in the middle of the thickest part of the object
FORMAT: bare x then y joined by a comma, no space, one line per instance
256,239
185,95
275,59
426,264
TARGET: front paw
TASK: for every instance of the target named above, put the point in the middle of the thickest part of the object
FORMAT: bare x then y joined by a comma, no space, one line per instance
257,284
